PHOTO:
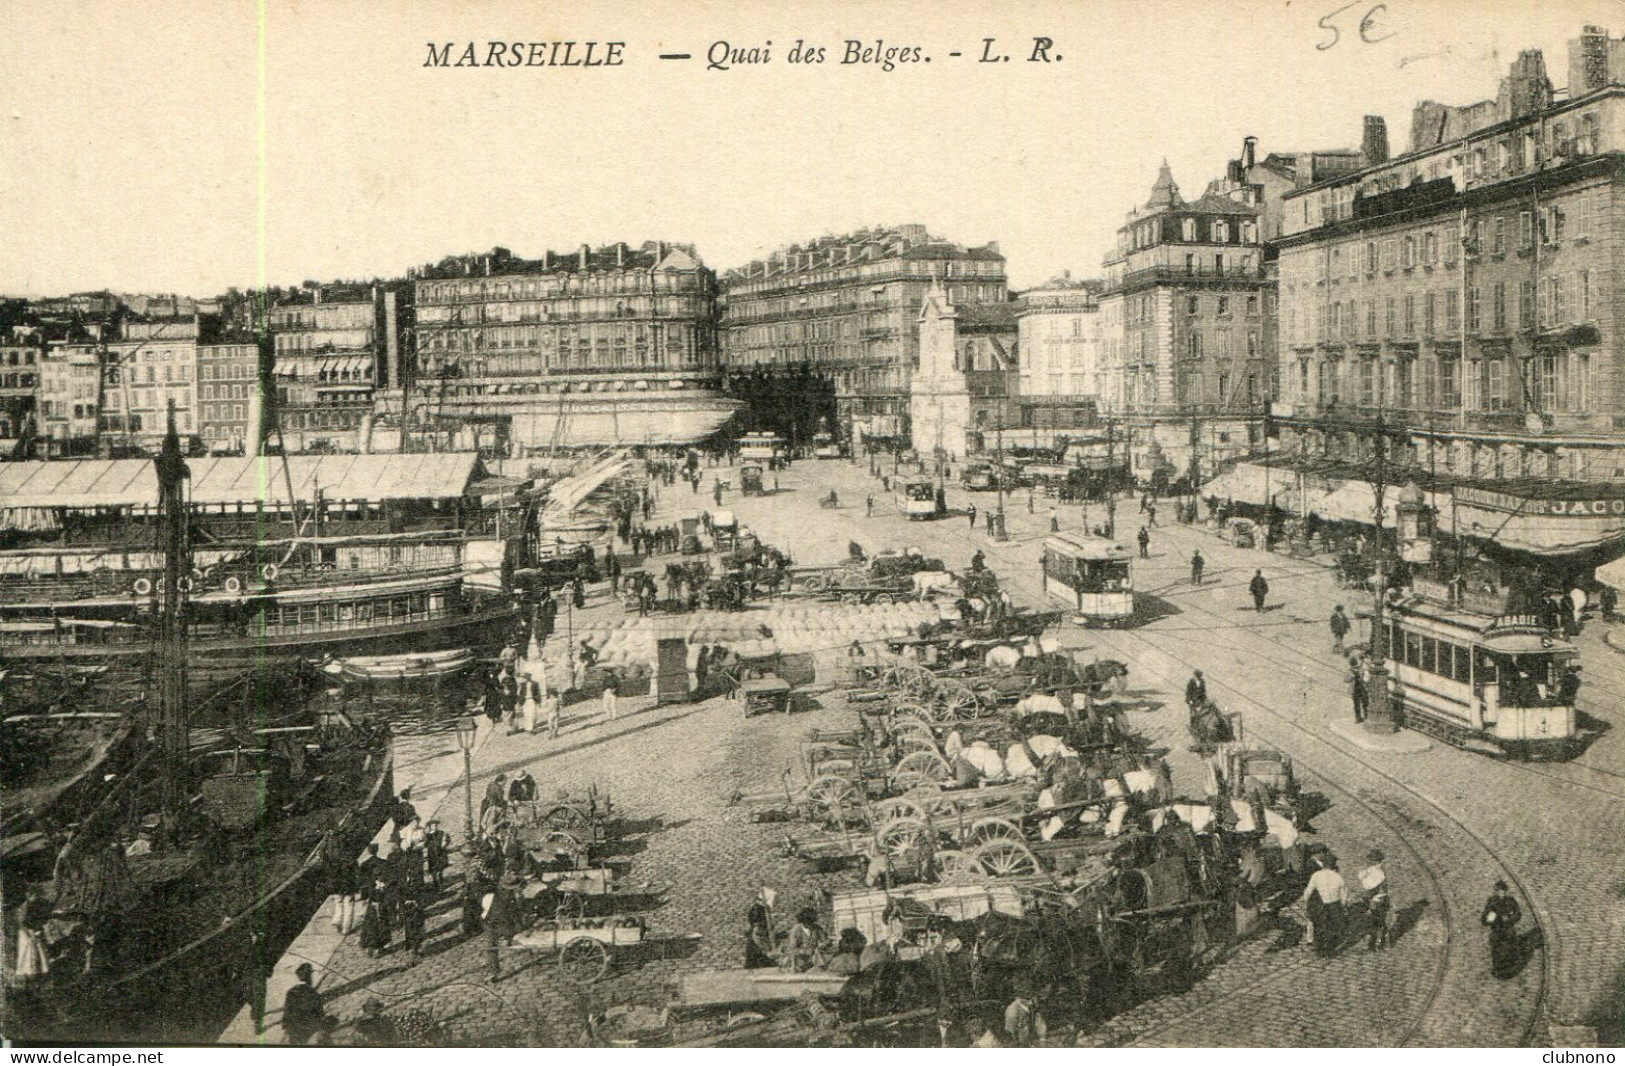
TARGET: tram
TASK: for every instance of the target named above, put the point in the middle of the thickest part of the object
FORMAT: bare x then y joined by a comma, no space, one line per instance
825,446
761,447
1501,684
1092,576
918,496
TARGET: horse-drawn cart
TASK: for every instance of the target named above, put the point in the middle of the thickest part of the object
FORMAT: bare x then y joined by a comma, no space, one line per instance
586,946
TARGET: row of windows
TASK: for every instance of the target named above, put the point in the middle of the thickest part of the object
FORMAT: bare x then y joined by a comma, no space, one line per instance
138,423
1221,304
149,374
1440,657
1193,230
1551,382
1564,299
1193,345
61,409
316,616
24,357
227,371
324,316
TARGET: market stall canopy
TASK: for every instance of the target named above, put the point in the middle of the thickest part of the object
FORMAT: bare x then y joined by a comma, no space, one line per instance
1612,574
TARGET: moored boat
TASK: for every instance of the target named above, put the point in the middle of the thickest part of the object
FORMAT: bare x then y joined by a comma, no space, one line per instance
409,667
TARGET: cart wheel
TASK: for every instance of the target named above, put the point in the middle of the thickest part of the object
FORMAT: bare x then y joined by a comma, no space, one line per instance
832,790
883,598
958,868
987,830
957,700
1007,858
584,960
910,723
571,905
912,742
928,763
898,807
901,834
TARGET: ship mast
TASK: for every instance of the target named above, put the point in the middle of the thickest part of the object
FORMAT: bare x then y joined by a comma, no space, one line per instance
170,630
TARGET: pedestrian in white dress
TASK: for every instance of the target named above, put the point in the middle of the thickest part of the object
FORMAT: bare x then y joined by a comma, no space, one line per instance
527,721
612,704
31,963
551,707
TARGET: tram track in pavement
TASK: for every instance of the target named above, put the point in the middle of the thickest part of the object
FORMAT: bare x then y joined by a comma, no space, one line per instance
1449,950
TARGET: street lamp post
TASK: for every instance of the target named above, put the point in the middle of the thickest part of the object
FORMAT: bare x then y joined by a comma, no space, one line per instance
467,729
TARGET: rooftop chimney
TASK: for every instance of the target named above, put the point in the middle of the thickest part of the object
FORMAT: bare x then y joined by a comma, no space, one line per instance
1588,61
585,253
1249,152
620,253
1530,88
1373,141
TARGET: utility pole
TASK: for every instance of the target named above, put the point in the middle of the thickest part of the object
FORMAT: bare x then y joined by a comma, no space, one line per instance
999,531
1379,716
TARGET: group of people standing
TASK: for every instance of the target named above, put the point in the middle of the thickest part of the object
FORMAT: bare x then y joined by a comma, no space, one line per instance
387,893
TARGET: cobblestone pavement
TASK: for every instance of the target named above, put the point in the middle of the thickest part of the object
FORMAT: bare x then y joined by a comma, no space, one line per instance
1450,822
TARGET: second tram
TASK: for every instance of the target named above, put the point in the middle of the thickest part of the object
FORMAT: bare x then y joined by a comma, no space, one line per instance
918,498
1091,576
1502,684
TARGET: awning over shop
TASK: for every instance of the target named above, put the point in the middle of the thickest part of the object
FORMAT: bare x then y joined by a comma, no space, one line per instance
1612,574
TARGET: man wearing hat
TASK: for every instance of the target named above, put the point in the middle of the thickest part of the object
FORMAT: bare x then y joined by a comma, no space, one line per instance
1501,916
302,1013
1374,879
436,852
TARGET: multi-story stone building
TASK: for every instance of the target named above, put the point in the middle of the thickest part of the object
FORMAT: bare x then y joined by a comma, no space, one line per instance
19,388
1189,306
849,306
967,374
332,346
616,344
70,387
153,365
228,386
1058,331
1452,311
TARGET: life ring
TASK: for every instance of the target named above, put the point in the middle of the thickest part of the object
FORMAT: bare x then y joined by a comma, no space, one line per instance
186,585
143,587
234,584
268,571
